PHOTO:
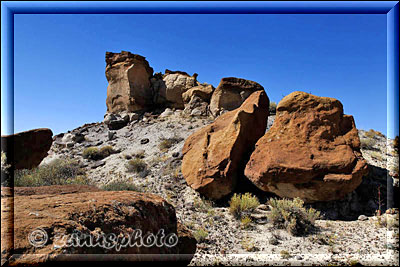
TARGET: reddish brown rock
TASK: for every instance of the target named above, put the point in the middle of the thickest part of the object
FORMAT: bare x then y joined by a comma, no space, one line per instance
231,93
25,150
129,87
59,218
312,151
213,155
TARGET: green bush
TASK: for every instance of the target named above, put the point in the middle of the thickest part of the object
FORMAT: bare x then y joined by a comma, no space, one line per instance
200,235
272,108
241,203
121,186
94,153
292,216
136,165
167,143
58,172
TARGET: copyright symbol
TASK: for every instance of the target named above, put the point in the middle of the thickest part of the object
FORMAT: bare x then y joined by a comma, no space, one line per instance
38,237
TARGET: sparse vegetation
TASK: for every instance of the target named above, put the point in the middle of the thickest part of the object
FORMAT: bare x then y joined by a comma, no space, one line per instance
167,143
136,165
58,172
368,143
202,204
388,221
292,216
272,107
246,222
373,134
285,254
248,245
4,165
242,203
396,143
376,155
121,186
94,153
200,235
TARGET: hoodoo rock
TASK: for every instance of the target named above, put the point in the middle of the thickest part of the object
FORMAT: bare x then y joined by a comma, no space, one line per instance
231,93
67,222
312,151
129,86
213,155
25,150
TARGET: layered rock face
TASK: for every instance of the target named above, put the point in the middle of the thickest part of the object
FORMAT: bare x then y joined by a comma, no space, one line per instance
64,215
129,86
25,150
312,151
213,155
231,93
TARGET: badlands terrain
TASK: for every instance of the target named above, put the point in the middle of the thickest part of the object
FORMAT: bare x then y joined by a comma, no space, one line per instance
172,152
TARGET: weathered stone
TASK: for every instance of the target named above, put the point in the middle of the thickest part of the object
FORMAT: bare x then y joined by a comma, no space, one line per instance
129,87
204,91
175,85
61,216
312,151
196,107
231,93
213,156
25,150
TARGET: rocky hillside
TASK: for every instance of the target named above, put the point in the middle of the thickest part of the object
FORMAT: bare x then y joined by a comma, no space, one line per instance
194,148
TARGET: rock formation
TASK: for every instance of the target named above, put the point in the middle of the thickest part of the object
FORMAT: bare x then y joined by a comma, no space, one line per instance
312,151
231,93
25,150
62,216
129,87
213,155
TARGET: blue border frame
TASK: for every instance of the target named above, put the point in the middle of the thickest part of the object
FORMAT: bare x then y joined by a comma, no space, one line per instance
8,9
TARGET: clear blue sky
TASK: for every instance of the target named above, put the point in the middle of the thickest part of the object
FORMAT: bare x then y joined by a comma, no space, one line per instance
60,59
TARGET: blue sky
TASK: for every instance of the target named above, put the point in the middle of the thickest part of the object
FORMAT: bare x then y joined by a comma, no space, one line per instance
60,78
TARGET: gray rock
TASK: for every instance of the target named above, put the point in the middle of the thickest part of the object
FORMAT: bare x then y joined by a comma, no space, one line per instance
111,135
362,218
144,141
97,164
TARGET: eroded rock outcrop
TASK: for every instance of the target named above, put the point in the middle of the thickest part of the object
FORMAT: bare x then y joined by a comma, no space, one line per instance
25,150
312,151
213,155
231,93
63,218
129,86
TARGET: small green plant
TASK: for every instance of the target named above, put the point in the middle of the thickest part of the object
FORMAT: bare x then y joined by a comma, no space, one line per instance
272,108
292,216
242,203
246,222
200,235
121,186
285,254
58,172
136,165
167,143
203,205
248,245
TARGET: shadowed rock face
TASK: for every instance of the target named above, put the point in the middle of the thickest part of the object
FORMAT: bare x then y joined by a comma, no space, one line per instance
68,209
231,93
213,154
25,150
129,87
312,151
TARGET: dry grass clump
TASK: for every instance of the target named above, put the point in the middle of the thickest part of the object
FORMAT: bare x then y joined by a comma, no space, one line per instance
4,165
121,186
136,165
94,153
242,203
58,172
200,235
396,143
272,108
373,134
368,143
292,216
167,143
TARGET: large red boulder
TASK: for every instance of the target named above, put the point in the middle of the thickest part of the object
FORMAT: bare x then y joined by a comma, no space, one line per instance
214,155
312,151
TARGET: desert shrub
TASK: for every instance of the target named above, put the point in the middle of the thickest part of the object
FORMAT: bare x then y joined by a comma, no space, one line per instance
242,203
167,143
58,172
246,222
285,254
368,143
136,165
121,186
4,165
387,221
376,155
249,245
203,205
94,153
200,234
292,216
272,107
